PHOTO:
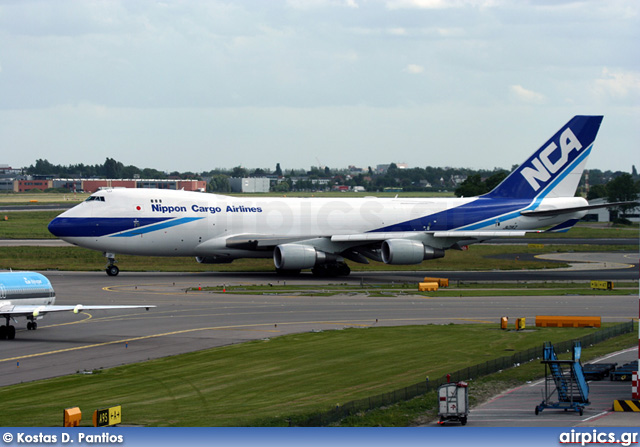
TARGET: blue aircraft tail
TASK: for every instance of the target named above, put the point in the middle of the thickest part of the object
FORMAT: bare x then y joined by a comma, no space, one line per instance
555,169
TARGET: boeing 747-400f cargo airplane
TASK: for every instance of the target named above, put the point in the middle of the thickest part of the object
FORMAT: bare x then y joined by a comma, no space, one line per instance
30,295
320,233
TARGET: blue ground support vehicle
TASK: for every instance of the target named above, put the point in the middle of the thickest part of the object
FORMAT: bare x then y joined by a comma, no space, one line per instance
598,371
565,380
624,372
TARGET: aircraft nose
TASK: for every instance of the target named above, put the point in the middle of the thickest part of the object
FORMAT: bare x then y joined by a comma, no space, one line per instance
59,227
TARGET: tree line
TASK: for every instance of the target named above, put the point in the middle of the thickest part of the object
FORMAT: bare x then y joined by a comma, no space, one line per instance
476,181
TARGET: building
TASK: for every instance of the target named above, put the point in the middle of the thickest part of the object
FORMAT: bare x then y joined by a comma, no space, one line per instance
93,185
6,170
252,184
604,214
22,185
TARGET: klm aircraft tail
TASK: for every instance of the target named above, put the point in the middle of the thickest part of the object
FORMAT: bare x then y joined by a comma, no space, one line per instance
555,169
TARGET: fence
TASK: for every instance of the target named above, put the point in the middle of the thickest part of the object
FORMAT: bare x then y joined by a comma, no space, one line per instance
472,372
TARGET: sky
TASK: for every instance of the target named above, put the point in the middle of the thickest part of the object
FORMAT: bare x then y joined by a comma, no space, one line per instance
197,85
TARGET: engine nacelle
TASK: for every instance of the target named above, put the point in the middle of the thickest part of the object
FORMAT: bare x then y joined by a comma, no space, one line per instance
298,257
294,257
214,259
407,251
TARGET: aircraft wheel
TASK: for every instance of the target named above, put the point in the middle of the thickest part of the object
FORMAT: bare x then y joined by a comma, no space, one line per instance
343,269
3,332
321,271
113,270
11,332
29,326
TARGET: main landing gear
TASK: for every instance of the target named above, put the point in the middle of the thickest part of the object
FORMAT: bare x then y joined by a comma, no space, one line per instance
111,269
331,270
7,332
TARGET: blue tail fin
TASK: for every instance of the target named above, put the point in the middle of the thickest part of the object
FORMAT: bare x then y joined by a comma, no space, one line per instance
555,169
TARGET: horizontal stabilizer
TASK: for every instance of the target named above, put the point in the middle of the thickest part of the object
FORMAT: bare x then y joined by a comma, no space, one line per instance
560,211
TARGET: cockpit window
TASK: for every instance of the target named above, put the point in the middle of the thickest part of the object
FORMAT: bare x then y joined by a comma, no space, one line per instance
94,198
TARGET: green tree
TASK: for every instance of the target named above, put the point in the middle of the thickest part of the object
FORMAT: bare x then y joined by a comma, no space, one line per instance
471,187
239,172
220,183
112,168
43,167
596,192
495,180
622,189
281,187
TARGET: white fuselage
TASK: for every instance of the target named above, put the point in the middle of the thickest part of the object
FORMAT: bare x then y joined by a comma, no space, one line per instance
179,223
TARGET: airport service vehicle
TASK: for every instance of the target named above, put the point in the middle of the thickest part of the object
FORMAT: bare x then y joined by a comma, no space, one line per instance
30,295
565,385
453,403
321,233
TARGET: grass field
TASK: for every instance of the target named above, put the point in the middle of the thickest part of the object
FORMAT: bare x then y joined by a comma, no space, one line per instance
265,382
455,290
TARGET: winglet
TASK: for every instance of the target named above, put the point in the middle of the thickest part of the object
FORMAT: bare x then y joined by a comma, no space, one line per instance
554,170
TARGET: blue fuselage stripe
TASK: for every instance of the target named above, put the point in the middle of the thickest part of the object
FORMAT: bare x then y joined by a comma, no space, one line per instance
99,226
160,226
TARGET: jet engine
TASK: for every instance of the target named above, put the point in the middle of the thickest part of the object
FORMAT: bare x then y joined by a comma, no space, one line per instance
407,251
298,257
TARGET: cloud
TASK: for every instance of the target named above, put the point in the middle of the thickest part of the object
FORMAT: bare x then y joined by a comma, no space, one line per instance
414,69
527,96
439,4
617,84
313,4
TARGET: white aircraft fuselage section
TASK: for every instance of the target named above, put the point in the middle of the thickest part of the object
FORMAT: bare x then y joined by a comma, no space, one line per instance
198,224
320,233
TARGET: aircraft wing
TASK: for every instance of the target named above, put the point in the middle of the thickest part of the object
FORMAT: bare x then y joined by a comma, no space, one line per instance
377,237
22,310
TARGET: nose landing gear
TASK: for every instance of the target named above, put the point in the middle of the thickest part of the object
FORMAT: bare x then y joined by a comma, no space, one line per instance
111,269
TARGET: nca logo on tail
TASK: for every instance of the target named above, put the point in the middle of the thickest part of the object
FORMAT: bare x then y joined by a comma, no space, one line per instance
544,166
